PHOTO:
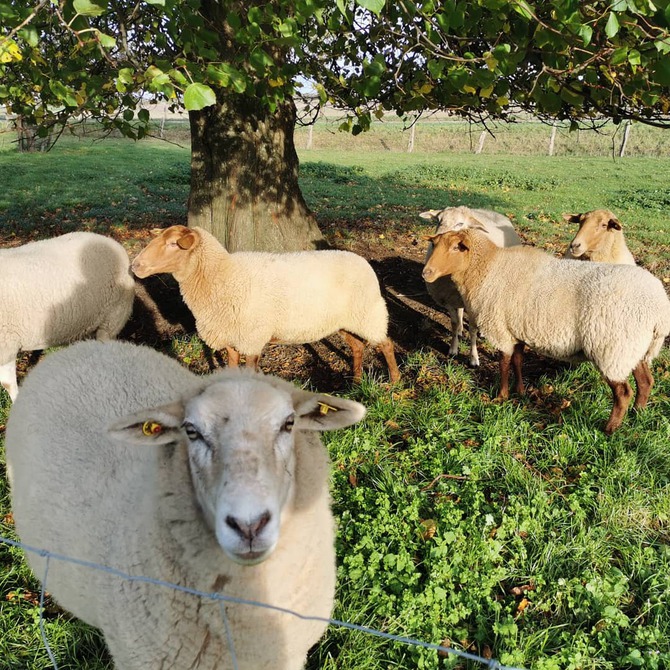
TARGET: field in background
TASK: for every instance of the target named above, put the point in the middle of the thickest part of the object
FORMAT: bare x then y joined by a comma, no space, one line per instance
437,133
513,530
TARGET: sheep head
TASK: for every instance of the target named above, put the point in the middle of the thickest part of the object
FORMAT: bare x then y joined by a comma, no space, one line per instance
593,227
452,218
240,432
451,254
166,253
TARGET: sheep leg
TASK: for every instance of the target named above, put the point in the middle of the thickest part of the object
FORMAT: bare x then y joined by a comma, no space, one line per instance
233,357
643,382
456,316
474,354
8,379
622,394
252,361
357,348
386,347
517,362
505,360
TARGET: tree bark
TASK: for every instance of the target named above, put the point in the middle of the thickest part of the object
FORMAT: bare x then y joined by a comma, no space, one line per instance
244,177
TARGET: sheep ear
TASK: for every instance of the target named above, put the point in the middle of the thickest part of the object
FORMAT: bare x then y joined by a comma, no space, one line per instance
430,214
614,223
160,425
474,224
317,411
572,218
187,240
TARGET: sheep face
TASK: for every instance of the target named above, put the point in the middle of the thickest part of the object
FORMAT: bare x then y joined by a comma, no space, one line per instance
593,227
451,218
240,433
450,255
168,252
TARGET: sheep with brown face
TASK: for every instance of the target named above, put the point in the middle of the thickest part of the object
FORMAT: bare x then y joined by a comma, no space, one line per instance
243,300
615,316
599,238
501,231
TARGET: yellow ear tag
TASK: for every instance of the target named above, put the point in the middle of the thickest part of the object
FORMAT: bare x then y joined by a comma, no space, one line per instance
150,428
324,408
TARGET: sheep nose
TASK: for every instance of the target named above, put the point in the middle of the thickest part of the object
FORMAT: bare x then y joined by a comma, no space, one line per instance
427,273
249,531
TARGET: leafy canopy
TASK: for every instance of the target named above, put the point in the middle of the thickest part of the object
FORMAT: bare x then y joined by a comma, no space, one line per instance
562,58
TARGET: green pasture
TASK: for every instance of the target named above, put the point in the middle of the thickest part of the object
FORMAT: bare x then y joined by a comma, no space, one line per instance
514,530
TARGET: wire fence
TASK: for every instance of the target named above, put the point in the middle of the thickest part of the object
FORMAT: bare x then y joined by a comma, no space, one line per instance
222,599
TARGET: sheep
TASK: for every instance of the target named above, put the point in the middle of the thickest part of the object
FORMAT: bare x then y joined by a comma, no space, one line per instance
58,290
599,238
119,456
500,230
243,300
615,316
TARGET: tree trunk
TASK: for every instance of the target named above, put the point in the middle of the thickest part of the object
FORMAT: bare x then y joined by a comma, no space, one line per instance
244,177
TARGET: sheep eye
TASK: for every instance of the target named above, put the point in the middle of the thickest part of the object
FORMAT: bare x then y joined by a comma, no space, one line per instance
191,431
289,423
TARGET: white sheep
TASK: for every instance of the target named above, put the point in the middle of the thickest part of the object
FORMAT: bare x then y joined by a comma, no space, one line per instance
500,230
58,290
119,456
242,301
599,238
615,316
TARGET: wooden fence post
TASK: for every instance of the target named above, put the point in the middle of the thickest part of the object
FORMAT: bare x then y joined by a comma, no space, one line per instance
410,145
624,141
480,145
552,138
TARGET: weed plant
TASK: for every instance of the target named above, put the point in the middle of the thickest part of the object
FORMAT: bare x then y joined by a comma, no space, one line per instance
512,530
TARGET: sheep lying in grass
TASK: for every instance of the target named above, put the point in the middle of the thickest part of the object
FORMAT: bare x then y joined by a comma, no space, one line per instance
119,456
242,301
60,290
599,238
500,230
615,316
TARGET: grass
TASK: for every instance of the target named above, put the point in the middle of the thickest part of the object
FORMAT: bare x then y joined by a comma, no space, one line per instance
515,530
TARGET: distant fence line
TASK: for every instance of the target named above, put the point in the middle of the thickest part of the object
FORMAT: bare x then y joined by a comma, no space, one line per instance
427,134
525,136
222,598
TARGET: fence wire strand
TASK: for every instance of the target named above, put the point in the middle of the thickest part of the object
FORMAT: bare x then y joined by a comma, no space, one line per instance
222,598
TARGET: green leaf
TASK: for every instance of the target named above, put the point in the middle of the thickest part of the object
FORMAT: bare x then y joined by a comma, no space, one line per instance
662,72
523,8
144,116
62,93
586,33
197,96
634,57
155,2
619,56
106,41
30,35
612,27
89,8
125,75
375,6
